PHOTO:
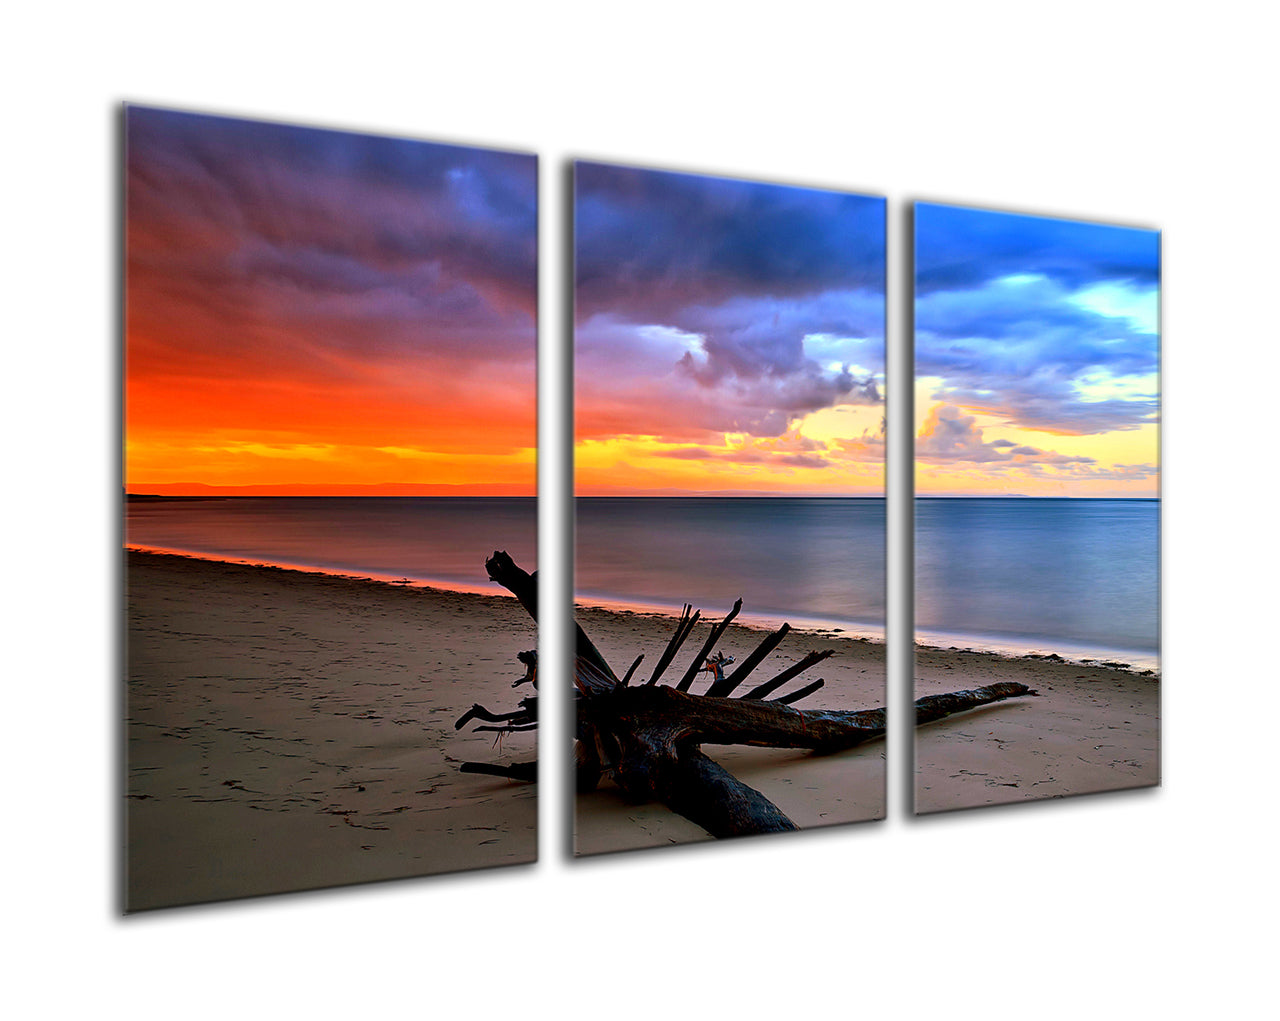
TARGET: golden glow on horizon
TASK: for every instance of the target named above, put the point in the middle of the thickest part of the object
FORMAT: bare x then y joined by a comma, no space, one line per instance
246,427
321,468
739,463
1112,452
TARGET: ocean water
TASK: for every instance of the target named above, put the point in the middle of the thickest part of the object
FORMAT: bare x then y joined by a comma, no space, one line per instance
803,559
1076,577
1066,576
1073,577
441,540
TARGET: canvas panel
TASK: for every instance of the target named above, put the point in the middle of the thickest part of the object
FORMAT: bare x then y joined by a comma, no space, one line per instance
1037,400
729,421
330,424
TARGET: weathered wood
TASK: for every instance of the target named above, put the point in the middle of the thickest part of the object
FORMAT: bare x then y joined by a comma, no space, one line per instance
632,668
526,771
530,661
527,712
770,643
697,787
800,693
649,738
774,683
524,586
511,728
686,681
685,720
589,680
673,646
937,707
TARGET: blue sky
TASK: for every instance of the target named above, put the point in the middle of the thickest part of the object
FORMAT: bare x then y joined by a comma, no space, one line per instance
1036,354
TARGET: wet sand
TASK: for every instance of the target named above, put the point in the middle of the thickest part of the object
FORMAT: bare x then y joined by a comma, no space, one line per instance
289,730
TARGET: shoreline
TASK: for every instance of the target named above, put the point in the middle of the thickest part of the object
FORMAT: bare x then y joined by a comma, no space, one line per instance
400,581
1143,663
757,621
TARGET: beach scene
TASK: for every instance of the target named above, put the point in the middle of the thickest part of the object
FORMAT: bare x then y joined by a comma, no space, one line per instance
330,426
1037,514
730,514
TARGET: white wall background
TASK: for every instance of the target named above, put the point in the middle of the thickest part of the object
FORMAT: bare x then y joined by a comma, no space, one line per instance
1118,906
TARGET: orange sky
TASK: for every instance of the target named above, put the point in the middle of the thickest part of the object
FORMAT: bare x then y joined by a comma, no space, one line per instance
320,312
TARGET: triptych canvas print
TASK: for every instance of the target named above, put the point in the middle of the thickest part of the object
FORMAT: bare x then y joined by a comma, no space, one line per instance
330,432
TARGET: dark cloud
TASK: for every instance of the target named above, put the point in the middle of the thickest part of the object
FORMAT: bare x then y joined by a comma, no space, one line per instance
649,242
958,248
294,244
771,298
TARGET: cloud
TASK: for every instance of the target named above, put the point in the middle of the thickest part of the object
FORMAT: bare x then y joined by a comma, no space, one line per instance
271,249
948,435
790,450
707,306
1048,324
650,242
678,386
867,448
958,249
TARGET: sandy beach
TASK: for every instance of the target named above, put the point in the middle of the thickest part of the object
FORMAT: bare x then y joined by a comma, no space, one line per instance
1092,728
289,730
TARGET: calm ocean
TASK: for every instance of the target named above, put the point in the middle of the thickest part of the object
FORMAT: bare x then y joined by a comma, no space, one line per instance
1072,576
806,558
1067,576
427,539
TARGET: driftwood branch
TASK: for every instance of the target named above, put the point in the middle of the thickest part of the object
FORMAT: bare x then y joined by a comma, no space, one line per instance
685,625
686,682
649,738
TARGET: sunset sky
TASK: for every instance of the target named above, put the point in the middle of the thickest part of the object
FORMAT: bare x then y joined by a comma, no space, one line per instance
729,336
321,312
1037,346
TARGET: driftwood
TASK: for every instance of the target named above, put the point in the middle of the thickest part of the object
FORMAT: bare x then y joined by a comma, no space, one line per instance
647,736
